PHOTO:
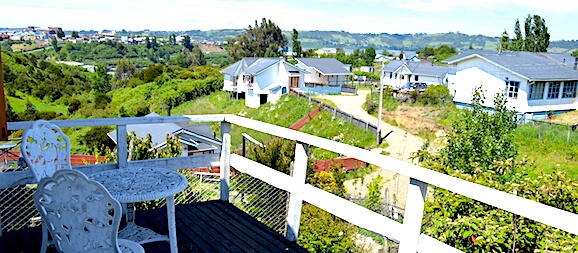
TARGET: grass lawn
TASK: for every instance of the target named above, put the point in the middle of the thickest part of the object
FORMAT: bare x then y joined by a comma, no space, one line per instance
19,104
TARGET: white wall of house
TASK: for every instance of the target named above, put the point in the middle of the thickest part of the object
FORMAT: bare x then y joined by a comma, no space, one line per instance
473,72
252,99
228,82
403,75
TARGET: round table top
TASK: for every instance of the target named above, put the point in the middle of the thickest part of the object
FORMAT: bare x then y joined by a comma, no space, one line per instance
139,184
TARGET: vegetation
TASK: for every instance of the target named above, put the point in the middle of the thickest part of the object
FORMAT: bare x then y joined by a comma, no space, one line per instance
535,38
439,54
480,148
265,40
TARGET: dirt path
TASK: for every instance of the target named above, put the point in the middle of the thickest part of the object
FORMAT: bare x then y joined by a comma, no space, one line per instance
401,145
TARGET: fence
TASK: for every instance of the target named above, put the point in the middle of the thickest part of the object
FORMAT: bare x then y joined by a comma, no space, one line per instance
342,115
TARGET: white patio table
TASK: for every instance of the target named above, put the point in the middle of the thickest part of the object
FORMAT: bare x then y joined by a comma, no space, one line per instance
140,184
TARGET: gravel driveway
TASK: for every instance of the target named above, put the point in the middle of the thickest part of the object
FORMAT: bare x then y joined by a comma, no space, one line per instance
401,145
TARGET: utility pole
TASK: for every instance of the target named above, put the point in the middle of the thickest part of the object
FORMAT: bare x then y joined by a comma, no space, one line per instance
380,103
3,127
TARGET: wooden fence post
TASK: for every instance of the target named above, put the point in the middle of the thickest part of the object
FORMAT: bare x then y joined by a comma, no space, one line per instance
225,161
298,172
416,194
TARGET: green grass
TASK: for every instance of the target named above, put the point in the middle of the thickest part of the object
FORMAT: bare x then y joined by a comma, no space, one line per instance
285,113
19,104
549,148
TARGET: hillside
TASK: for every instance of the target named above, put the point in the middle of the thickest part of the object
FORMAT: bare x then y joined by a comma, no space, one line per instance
347,40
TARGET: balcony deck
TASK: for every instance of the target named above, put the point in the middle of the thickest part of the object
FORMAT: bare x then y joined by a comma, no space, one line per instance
211,226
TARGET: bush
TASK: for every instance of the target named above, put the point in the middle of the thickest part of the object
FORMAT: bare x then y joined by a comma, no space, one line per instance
434,95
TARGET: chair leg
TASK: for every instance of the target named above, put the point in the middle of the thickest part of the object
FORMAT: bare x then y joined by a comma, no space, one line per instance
45,232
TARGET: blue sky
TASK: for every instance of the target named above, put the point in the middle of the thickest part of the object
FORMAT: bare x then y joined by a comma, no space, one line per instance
486,17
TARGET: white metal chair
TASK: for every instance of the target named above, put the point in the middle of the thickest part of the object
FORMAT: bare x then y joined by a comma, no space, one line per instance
80,214
45,149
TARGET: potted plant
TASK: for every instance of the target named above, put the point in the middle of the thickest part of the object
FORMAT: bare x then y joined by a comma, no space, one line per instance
550,115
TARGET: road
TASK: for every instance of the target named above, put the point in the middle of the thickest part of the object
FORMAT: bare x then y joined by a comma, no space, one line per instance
401,145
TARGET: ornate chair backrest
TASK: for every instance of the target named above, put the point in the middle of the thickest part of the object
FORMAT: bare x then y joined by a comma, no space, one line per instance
80,213
45,149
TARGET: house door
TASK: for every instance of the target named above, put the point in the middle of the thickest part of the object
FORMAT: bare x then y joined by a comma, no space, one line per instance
293,82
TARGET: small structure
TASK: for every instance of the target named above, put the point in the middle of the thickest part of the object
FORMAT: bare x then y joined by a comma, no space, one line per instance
324,75
398,73
534,83
194,138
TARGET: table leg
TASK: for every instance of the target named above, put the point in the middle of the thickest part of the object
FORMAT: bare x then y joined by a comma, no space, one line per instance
129,212
172,224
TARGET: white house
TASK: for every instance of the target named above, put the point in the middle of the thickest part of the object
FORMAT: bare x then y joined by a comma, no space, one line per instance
397,73
193,138
324,75
262,80
534,83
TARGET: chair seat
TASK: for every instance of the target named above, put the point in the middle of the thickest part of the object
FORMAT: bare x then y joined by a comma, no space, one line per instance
127,246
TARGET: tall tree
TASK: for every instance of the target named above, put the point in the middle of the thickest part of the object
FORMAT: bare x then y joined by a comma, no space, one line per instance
75,35
536,37
102,82
517,43
257,41
54,43
187,43
60,33
369,55
297,49
504,41
530,37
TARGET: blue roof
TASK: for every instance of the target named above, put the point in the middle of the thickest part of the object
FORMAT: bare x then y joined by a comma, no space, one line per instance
326,66
533,66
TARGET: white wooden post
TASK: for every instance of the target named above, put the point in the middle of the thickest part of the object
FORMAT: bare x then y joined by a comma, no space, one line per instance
225,161
121,147
298,173
416,194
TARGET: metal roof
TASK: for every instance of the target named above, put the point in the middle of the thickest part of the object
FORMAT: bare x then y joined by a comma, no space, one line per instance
159,131
260,65
419,68
326,66
533,66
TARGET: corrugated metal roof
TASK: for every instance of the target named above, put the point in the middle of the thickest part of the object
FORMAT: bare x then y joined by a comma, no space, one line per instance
420,68
534,66
327,66
260,64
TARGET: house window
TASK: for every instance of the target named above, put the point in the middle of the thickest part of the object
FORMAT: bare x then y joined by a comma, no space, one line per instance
537,90
248,79
390,75
512,89
553,90
416,78
569,90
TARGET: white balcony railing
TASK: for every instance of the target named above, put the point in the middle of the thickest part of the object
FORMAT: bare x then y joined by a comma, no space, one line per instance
408,233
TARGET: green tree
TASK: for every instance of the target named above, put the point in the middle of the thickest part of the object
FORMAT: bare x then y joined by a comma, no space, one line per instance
74,35
257,41
102,82
517,43
297,49
60,33
124,69
187,43
97,139
54,44
479,138
504,41
575,53
536,37
11,115
369,55
30,113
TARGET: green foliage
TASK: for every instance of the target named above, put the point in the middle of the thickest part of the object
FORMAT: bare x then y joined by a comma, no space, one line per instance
96,139
322,232
54,43
435,95
535,38
374,199
479,137
472,226
297,49
371,104
262,40
439,54
575,53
